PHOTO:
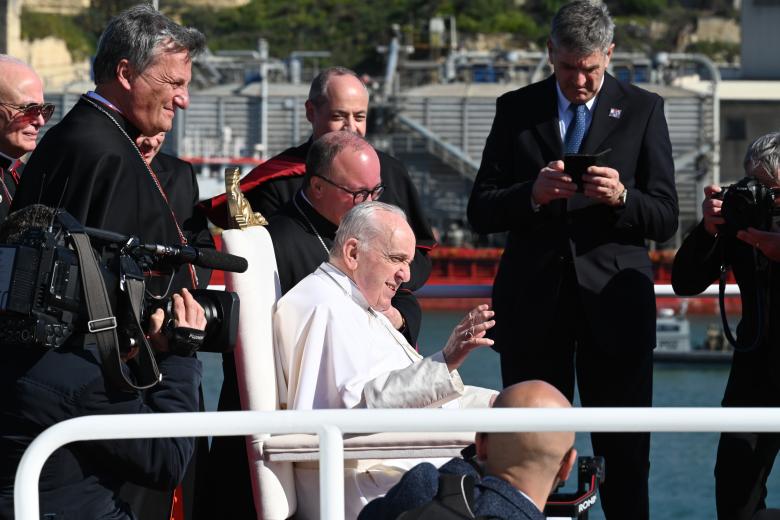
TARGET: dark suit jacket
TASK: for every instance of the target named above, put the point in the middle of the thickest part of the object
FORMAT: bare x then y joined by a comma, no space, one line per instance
605,244
180,184
39,388
493,497
9,177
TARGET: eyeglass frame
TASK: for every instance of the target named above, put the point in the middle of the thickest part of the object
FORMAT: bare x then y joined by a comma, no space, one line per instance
374,193
40,107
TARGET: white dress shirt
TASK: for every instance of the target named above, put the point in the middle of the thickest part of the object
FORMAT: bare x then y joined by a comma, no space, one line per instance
565,116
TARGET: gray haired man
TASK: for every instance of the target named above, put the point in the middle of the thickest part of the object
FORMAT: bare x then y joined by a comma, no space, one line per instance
744,459
574,290
89,164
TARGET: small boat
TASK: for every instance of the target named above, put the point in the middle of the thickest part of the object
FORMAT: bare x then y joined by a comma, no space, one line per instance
673,340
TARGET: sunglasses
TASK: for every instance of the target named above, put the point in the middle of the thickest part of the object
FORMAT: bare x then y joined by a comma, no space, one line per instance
33,110
359,196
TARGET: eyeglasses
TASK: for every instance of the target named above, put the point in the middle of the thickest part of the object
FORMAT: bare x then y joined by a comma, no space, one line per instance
360,195
33,110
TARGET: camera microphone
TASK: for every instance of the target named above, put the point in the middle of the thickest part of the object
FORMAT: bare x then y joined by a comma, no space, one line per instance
201,257
207,258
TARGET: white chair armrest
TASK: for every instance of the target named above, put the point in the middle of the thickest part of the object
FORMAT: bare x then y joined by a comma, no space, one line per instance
305,447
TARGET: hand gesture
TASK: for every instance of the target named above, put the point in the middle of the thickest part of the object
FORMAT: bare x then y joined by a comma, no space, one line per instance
468,335
711,209
603,185
392,314
552,183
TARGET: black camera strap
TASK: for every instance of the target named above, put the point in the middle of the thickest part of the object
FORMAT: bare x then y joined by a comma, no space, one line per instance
134,289
102,324
761,267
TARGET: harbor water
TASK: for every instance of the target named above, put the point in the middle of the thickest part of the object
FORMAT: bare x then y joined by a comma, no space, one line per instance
681,481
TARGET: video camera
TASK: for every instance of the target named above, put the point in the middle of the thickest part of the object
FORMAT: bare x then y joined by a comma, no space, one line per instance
747,203
43,284
590,474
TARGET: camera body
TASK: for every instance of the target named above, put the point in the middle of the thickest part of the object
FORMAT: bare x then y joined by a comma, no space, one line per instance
747,203
42,301
40,291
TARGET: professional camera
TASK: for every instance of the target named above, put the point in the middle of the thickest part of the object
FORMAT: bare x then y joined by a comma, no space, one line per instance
747,203
44,284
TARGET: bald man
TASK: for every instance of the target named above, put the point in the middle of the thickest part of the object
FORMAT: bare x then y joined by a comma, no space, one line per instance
22,114
516,472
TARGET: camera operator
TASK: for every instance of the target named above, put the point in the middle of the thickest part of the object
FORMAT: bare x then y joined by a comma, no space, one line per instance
728,236
40,387
90,165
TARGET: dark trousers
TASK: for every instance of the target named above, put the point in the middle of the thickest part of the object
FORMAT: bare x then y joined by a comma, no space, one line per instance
745,460
228,480
604,377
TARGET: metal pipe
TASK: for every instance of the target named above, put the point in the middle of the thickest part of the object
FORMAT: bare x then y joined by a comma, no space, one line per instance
486,290
715,79
331,472
328,422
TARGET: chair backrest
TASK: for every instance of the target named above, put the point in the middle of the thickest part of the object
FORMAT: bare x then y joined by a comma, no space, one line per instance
258,289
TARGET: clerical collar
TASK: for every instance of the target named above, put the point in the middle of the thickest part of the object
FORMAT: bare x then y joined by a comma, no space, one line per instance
97,97
321,224
104,105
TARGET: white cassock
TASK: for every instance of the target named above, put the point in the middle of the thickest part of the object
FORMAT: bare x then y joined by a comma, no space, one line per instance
337,352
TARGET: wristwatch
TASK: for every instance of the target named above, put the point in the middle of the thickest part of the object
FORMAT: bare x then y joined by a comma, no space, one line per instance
623,196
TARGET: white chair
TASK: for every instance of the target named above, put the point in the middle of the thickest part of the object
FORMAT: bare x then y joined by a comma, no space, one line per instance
262,385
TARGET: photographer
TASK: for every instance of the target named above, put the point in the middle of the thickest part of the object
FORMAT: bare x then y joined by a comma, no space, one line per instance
727,236
41,387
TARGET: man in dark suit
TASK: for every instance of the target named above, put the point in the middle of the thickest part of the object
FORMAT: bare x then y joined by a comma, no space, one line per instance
574,290
514,472
22,114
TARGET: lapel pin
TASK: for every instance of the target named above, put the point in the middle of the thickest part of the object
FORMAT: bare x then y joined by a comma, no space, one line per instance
615,112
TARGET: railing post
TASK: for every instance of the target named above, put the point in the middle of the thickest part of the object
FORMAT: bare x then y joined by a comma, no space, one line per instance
331,472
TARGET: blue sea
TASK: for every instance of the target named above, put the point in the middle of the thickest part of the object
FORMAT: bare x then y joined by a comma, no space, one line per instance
681,481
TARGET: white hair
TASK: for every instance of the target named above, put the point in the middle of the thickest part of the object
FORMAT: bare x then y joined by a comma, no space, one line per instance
363,222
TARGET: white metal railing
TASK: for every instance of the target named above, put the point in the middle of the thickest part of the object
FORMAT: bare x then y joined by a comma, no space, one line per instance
332,424
486,290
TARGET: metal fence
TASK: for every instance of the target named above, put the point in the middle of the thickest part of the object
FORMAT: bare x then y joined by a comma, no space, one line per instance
331,425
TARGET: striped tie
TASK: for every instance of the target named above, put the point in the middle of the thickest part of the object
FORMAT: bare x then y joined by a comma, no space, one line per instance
577,129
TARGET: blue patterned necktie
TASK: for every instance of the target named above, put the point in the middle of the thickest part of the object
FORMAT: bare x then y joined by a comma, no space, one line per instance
577,128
